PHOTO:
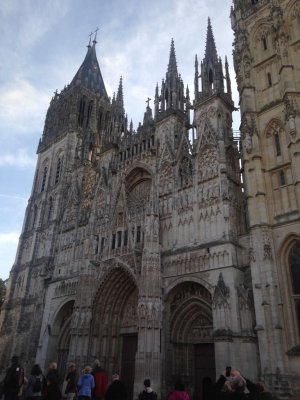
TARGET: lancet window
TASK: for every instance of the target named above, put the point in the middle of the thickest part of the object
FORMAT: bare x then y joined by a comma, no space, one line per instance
294,265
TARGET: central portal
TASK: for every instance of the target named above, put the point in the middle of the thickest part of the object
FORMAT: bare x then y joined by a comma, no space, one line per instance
205,368
190,353
128,362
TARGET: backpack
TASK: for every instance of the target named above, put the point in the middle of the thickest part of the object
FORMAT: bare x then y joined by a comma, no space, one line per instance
12,379
37,386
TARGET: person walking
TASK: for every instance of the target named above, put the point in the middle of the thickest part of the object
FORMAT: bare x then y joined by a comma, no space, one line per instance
14,380
71,379
101,381
116,390
179,392
52,383
36,384
86,384
147,393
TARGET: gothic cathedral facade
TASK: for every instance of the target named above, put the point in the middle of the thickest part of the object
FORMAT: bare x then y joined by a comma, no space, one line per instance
172,250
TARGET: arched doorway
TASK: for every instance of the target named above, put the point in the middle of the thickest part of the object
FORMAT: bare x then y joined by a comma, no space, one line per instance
189,341
114,327
59,338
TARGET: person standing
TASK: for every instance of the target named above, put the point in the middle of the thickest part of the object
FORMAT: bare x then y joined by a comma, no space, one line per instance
52,383
147,393
71,378
116,390
101,381
35,384
179,392
14,380
86,384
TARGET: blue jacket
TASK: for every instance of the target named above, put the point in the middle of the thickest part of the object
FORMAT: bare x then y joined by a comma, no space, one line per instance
86,384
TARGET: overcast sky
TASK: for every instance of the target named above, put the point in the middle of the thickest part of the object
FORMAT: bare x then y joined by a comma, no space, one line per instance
43,43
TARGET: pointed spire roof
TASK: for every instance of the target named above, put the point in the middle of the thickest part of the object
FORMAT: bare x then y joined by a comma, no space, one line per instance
210,50
89,74
120,97
172,67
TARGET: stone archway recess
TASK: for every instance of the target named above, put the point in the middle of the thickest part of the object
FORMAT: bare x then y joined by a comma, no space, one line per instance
114,325
189,339
59,338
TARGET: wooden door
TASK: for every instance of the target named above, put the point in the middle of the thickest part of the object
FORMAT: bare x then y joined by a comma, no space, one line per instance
205,368
128,362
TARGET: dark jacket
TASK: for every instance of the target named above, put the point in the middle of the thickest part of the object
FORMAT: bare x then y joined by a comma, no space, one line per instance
13,380
53,391
144,395
255,394
116,391
218,394
71,379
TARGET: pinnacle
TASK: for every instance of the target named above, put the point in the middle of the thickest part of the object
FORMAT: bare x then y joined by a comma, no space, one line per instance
210,50
172,67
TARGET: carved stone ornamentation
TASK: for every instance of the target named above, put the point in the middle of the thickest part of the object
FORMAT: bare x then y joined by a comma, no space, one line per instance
221,294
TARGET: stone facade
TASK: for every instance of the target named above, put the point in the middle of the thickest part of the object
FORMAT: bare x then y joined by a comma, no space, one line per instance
266,56
148,249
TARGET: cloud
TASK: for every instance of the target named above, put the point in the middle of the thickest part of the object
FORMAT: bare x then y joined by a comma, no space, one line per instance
9,238
14,197
20,159
22,107
8,248
33,19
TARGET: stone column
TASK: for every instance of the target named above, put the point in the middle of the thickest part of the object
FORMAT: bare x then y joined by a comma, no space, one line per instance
148,356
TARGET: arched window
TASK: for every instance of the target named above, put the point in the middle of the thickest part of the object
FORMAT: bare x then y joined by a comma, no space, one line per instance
264,43
294,262
211,78
50,209
275,132
58,170
294,265
34,216
277,144
281,178
45,172
81,111
89,112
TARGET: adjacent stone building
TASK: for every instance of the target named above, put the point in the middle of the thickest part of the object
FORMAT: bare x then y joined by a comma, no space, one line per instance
153,250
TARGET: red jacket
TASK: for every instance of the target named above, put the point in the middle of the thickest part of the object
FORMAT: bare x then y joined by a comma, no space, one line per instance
101,380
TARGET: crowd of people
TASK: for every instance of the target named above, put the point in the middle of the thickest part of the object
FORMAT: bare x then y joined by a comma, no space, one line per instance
92,384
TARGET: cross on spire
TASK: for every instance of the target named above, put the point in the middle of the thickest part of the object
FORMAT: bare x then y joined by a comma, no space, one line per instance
90,35
95,37
148,101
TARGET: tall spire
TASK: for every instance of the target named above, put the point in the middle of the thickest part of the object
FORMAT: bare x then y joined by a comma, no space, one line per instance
89,74
172,97
210,50
172,67
120,96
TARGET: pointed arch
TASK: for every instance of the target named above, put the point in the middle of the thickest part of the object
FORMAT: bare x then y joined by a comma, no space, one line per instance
44,173
189,327
289,280
114,313
138,184
260,31
59,329
275,140
58,166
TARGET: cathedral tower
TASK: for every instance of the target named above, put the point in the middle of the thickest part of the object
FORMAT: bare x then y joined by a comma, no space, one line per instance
266,56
